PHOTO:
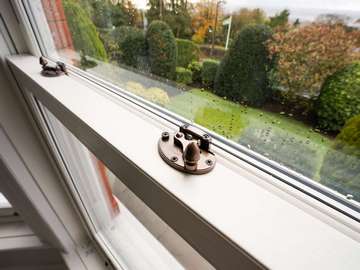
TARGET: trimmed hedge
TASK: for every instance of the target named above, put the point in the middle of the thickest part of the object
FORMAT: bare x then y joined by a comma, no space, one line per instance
341,167
162,49
132,44
83,32
153,94
183,75
243,73
188,51
208,73
196,68
339,98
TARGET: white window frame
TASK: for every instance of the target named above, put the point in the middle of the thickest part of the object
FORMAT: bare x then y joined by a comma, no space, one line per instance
212,233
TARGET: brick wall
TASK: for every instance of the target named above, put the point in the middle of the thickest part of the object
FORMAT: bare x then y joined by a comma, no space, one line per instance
56,19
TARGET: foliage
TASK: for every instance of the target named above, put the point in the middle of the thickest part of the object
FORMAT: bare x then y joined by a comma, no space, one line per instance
244,17
183,75
203,20
306,55
280,19
208,73
83,31
333,19
86,63
218,52
131,42
196,68
187,52
339,99
153,94
162,49
174,12
341,167
243,73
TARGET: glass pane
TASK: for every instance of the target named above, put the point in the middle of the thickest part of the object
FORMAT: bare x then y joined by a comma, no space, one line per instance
131,230
281,78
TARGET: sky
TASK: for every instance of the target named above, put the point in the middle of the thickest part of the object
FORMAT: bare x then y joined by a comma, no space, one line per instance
303,9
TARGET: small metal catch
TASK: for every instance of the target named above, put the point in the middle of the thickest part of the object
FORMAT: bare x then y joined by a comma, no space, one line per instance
52,71
187,150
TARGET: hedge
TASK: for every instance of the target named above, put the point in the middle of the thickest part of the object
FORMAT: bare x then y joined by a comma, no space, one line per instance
341,167
339,98
243,73
208,73
153,94
84,35
183,75
188,51
162,49
132,44
196,68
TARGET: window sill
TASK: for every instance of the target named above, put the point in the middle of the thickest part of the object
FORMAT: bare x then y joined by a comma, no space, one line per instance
236,216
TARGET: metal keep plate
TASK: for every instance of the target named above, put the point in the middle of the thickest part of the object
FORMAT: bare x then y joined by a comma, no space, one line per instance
187,150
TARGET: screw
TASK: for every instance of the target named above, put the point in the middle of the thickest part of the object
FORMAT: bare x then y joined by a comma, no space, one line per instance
209,162
179,135
188,137
174,159
206,136
165,136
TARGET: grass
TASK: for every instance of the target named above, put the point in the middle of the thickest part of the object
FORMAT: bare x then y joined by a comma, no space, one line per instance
277,136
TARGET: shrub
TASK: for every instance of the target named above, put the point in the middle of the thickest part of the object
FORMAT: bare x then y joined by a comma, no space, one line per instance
183,75
339,99
162,49
132,44
196,68
84,35
307,55
153,94
341,167
218,52
243,73
208,73
187,52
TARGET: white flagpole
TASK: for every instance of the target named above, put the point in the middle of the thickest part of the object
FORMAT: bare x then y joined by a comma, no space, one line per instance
228,34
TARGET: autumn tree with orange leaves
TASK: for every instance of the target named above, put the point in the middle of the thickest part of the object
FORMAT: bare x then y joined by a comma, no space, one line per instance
306,55
203,16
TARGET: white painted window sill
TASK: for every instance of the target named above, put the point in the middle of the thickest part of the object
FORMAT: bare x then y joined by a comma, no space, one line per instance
235,216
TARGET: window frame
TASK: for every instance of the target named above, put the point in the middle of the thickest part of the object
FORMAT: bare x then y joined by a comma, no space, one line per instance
282,173
225,252
233,152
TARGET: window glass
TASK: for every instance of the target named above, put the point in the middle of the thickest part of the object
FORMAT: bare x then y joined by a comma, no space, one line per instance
130,230
281,78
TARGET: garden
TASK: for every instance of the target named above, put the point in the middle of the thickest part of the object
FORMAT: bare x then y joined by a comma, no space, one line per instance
287,90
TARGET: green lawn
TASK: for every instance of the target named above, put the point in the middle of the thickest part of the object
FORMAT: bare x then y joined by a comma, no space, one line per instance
277,136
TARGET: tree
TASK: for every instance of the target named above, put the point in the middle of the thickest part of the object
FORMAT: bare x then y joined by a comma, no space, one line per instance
174,13
203,20
333,19
83,31
306,55
162,49
246,16
243,73
339,99
280,19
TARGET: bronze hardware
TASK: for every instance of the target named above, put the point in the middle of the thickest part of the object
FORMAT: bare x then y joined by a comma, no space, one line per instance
52,71
187,150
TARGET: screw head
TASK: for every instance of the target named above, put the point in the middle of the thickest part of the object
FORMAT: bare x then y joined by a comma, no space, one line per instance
165,136
174,159
209,162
